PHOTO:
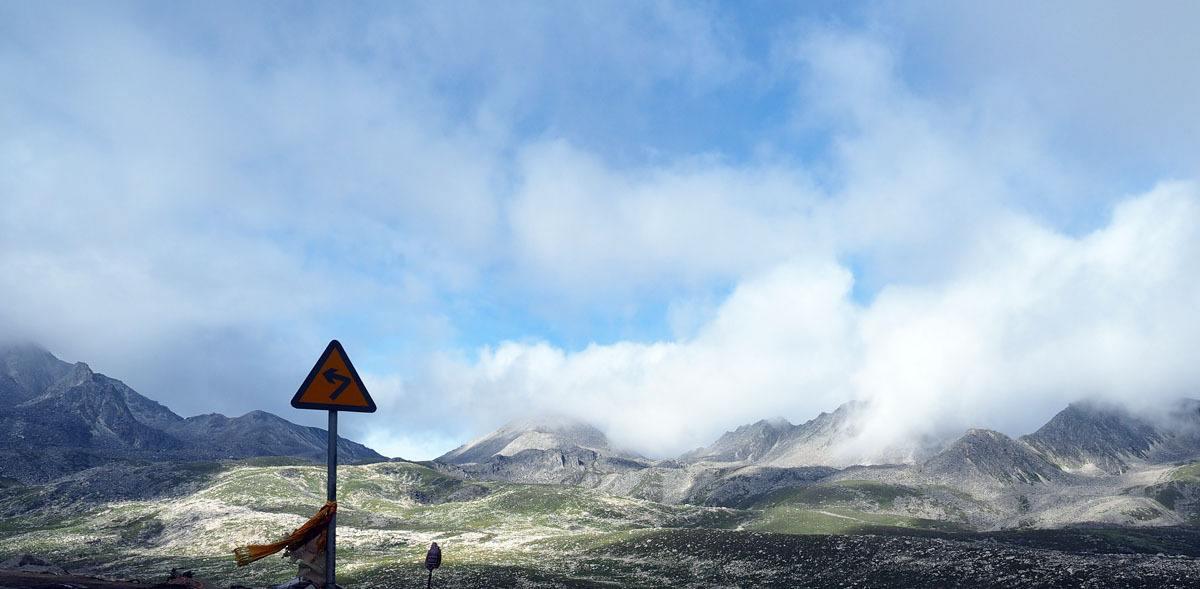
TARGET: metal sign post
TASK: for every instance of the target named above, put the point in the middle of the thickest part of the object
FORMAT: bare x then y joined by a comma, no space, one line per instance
333,385
331,495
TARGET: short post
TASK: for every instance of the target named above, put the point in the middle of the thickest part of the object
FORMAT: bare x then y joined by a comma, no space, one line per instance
331,495
433,560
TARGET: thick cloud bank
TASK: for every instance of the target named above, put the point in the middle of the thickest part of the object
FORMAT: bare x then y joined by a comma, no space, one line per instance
1029,320
961,211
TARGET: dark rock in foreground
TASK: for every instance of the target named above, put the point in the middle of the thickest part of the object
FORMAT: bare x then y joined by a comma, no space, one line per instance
722,558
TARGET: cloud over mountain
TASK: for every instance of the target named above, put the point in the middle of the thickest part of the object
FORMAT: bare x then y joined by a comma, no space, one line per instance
1031,320
619,212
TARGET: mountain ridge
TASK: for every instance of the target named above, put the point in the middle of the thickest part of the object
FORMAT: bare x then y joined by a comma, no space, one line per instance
61,418
82,419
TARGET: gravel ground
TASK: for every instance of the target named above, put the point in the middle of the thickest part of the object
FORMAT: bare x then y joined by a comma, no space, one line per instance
716,558
706,558
19,580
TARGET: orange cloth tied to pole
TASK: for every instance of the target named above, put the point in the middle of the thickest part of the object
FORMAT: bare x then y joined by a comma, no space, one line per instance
317,524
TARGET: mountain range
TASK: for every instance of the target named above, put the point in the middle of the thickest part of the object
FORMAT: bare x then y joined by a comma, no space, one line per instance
1091,462
1085,438
95,477
57,418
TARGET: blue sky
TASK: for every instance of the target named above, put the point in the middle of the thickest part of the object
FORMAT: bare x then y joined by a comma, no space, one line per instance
666,218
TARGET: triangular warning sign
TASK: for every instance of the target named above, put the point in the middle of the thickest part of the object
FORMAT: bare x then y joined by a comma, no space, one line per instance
334,384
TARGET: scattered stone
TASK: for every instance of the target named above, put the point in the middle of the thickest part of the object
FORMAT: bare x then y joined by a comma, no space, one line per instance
184,579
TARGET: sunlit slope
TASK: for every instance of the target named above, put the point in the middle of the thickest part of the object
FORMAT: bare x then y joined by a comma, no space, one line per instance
139,522
388,514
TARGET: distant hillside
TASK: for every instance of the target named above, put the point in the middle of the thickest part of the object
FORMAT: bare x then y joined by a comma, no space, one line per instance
57,418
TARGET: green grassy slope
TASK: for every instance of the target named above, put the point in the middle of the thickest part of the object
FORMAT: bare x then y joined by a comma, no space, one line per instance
849,506
1188,473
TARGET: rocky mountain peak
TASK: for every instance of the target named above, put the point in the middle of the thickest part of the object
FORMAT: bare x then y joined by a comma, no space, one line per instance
774,423
745,443
28,370
554,424
1183,417
1094,436
820,441
974,434
551,432
994,456
258,415
829,439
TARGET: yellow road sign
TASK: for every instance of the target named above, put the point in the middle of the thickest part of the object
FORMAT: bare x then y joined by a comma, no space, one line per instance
334,385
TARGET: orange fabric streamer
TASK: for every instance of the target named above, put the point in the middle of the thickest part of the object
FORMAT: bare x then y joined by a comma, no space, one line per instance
317,524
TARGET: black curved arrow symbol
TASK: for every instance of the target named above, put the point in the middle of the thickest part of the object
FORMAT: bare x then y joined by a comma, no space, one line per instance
332,376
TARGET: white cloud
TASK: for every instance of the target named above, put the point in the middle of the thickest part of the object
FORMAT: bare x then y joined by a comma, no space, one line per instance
1111,83
995,306
1030,321
256,180
192,203
590,230
1036,319
779,344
